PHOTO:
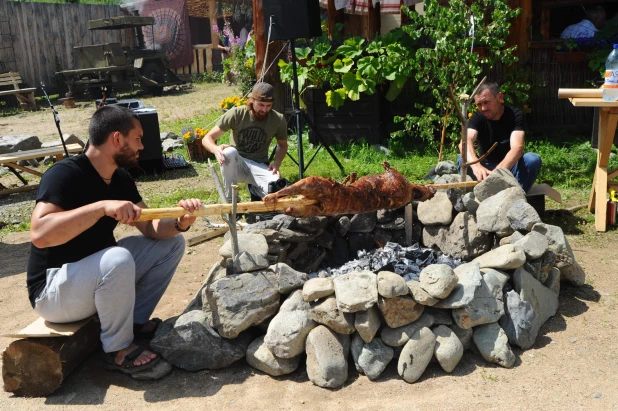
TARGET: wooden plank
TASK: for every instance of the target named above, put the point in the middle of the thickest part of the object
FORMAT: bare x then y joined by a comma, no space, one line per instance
41,328
200,60
22,168
21,189
41,152
209,60
206,236
194,69
592,102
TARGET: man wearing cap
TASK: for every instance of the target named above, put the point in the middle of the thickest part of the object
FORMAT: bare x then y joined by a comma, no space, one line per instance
245,159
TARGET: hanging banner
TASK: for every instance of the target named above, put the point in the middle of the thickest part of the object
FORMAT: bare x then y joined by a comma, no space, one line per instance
171,33
340,4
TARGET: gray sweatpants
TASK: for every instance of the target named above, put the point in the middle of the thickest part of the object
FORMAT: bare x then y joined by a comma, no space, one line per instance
122,284
237,169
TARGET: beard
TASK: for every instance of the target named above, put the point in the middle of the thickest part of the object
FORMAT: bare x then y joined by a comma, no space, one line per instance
126,158
257,116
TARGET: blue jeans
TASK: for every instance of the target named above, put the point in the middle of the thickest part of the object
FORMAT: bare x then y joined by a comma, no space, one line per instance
122,284
525,170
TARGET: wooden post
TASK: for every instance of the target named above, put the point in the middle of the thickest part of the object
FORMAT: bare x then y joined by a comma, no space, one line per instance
373,19
520,28
214,36
35,367
334,16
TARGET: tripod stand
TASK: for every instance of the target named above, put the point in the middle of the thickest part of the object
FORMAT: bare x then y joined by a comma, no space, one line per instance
298,113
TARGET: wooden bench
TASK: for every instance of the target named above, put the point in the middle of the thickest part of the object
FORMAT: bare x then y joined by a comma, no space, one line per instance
10,160
25,96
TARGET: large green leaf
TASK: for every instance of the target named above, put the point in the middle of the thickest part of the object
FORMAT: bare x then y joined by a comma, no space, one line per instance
351,47
354,85
368,66
302,53
335,98
343,66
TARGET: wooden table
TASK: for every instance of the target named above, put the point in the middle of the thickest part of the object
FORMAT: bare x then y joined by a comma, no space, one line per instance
10,160
608,121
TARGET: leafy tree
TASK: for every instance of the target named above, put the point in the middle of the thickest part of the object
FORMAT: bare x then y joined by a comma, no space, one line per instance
446,60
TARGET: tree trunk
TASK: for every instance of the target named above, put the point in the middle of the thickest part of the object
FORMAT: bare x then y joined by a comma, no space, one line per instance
35,367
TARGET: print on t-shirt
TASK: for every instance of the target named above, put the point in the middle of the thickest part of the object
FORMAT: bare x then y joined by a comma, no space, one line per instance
251,139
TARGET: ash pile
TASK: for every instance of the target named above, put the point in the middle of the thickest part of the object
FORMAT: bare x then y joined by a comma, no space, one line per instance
485,278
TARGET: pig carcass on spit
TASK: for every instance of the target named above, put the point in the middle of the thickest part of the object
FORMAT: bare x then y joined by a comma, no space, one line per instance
386,191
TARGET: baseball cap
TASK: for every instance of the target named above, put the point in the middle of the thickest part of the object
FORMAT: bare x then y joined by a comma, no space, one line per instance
263,92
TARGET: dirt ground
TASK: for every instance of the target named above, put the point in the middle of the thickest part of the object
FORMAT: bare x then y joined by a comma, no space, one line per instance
574,363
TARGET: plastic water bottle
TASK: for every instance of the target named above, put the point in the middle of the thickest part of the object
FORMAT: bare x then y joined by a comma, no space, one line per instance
610,88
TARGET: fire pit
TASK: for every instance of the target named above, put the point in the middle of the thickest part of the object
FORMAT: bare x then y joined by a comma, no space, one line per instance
483,270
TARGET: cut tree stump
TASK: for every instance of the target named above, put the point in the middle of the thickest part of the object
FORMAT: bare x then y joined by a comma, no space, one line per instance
36,367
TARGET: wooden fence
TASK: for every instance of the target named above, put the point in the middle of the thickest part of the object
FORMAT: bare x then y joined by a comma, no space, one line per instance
42,36
202,61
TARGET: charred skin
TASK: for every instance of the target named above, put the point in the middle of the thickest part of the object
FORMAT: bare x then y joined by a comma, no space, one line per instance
385,191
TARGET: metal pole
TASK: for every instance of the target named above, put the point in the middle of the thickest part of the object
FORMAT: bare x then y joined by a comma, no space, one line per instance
297,112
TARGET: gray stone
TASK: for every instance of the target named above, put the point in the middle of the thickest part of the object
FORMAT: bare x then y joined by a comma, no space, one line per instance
436,211
261,358
493,344
363,223
367,323
309,224
287,331
269,234
553,280
416,355
543,301
317,288
324,240
291,236
399,311
374,357
397,337
506,257
557,243
464,335
534,244
518,321
241,301
297,250
188,342
397,224
327,357
356,347
283,221
326,313
310,261
547,262
533,267
18,142
434,236
391,285
470,203
468,280
420,296
499,180
491,214
448,349
245,262
438,280
276,224
159,370
513,238
342,226
251,243
446,167
522,216
386,216
574,273
288,279
463,239
356,291
486,306
440,316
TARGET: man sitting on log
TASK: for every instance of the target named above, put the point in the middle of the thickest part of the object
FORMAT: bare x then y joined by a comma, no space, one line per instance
77,269
505,125
245,159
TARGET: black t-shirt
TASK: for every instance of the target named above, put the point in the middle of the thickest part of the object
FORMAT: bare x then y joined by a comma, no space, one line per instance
492,131
70,184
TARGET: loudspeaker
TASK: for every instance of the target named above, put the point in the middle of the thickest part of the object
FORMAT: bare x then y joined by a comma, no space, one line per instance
151,157
292,19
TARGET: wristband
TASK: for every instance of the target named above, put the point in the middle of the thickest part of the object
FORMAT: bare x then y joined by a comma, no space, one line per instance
177,226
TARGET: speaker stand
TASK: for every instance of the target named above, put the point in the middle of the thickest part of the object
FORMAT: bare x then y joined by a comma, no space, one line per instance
298,114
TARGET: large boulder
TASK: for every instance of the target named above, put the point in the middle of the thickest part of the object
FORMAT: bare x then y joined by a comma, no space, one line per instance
463,239
399,311
469,278
486,306
448,349
287,331
327,357
436,211
493,344
261,358
251,243
325,312
438,280
416,354
356,291
241,301
18,142
491,214
190,343
499,180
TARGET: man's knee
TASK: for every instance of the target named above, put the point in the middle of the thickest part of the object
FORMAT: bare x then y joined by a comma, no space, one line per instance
117,263
178,245
533,160
230,153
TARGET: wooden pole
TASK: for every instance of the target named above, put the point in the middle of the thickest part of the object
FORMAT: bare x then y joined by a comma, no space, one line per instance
334,16
35,367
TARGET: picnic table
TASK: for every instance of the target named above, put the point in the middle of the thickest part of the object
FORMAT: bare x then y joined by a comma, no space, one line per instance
608,120
10,160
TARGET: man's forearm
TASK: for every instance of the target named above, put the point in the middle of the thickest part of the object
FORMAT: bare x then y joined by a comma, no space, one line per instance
511,158
58,228
209,143
280,155
162,229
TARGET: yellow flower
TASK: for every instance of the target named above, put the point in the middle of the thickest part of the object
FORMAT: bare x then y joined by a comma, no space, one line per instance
187,135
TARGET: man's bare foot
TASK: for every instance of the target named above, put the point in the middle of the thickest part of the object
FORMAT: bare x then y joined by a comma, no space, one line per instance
144,358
